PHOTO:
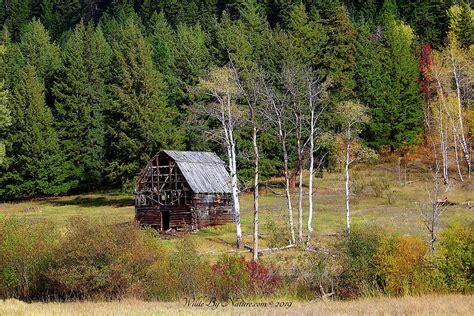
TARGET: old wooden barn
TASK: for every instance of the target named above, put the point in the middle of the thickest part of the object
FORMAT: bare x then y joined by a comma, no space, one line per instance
183,190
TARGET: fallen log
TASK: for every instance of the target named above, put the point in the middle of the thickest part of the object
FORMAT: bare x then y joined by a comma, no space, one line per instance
445,202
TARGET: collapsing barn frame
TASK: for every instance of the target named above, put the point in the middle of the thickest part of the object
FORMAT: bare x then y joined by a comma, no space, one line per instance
183,190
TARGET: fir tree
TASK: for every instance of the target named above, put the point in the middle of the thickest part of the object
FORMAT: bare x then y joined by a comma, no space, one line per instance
17,14
80,99
339,52
35,164
140,121
192,54
308,37
5,118
406,109
162,40
38,50
387,81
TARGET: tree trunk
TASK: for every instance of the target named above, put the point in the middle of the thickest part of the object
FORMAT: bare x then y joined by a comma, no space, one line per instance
287,186
229,134
310,185
235,193
347,179
255,191
456,155
462,140
300,179
444,150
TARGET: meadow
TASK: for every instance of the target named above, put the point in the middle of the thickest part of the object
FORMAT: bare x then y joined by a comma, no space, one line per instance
137,272
378,198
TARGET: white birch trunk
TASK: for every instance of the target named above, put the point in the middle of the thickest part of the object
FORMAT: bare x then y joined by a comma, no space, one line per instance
462,140
310,185
255,191
456,155
300,178
287,186
235,195
444,150
229,133
347,180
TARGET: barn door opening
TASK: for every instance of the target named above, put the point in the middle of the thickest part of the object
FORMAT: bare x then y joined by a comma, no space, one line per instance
165,217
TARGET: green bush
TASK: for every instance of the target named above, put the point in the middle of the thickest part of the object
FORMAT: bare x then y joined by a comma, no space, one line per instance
359,266
179,273
278,231
25,254
98,260
456,257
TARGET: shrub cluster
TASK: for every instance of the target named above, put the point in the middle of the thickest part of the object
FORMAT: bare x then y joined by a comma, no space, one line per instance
97,260
374,261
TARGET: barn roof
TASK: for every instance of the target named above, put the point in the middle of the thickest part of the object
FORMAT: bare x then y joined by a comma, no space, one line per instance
205,172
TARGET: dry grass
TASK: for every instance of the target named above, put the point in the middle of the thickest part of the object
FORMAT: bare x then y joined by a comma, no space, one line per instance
424,305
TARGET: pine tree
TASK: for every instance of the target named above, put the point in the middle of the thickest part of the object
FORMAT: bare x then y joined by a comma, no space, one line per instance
162,41
339,52
406,109
35,164
387,81
192,55
140,121
17,14
5,118
38,50
308,37
81,96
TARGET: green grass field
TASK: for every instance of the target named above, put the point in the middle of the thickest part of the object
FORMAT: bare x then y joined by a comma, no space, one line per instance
379,198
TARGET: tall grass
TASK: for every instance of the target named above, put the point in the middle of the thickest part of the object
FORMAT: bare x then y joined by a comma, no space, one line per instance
94,259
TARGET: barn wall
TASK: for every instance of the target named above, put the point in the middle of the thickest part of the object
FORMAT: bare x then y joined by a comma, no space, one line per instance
180,217
148,216
206,210
212,209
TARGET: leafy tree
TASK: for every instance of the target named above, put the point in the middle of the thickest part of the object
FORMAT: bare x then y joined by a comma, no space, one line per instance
81,96
352,116
140,121
35,164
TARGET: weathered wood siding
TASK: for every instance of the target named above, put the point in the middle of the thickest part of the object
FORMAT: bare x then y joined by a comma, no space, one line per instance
206,210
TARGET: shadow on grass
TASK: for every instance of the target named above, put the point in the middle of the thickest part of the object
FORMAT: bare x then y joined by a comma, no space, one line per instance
93,202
